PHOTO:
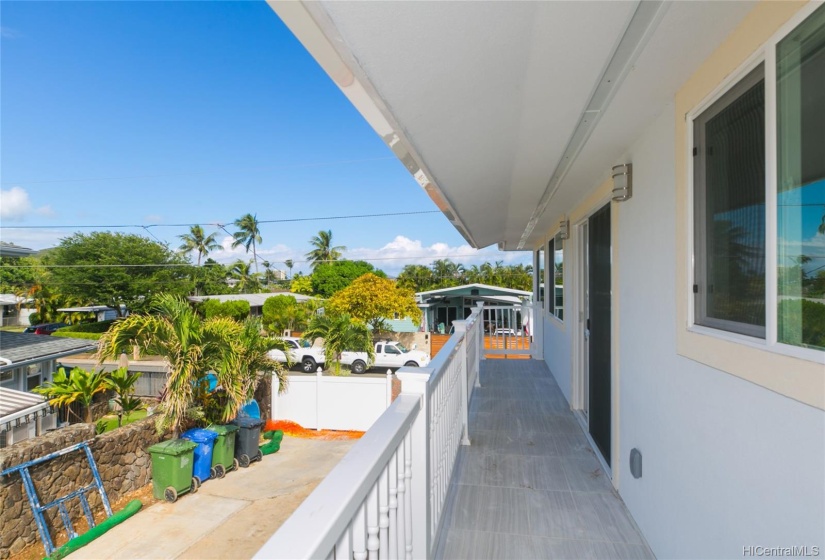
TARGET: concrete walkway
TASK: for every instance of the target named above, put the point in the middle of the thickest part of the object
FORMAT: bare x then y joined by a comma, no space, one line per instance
227,518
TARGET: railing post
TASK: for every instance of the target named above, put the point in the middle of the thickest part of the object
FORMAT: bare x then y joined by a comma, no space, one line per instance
318,378
389,387
415,381
461,328
481,354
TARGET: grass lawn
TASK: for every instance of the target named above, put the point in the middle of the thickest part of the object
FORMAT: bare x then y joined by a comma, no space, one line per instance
13,328
111,420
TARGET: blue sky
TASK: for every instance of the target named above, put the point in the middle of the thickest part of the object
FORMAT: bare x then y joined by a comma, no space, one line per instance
195,112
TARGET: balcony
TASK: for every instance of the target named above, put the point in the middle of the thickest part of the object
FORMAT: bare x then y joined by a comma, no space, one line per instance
475,459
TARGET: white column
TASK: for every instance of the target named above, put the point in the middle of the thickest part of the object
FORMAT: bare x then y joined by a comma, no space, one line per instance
318,379
389,387
415,381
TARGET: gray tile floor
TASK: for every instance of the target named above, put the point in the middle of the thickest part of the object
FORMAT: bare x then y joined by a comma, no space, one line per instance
530,486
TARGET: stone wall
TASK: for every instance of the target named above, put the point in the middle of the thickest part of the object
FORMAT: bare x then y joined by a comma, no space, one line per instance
121,459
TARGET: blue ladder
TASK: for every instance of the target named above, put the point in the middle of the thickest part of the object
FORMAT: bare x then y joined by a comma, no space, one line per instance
60,503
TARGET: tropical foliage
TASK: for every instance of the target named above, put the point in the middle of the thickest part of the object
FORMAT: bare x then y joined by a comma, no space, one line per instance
238,310
331,277
196,240
340,332
78,386
373,299
445,274
248,235
282,313
323,251
123,384
88,269
301,285
192,347
247,282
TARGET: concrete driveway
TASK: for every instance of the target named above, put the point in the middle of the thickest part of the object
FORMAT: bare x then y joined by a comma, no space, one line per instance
227,518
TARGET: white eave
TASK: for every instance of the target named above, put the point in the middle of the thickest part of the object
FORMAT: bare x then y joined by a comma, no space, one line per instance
509,113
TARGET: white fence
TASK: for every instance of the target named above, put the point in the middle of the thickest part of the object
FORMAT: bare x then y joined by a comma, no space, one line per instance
325,402
386,497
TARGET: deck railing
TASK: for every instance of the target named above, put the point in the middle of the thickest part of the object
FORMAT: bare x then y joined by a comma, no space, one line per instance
386,497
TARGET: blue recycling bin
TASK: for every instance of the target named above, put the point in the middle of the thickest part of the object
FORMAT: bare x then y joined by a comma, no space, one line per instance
203,452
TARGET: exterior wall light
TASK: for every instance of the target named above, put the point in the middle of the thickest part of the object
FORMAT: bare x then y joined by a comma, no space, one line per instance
622,182
564,228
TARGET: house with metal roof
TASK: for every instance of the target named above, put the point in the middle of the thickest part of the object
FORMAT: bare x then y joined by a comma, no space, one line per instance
11,250
443,306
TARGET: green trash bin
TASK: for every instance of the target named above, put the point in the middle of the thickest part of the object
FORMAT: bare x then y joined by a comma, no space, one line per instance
172,463
223,454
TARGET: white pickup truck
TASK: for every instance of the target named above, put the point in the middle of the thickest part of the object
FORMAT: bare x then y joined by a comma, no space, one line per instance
300,352
388,354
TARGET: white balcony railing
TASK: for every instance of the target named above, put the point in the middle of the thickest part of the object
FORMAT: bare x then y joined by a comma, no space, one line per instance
386,497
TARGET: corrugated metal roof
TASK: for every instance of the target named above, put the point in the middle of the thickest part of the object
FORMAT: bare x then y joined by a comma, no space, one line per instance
14,404
23,347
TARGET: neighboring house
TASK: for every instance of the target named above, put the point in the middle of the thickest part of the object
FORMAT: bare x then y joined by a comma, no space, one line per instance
256,301
26,361
12,250
101,312
10,314
670,155
441,307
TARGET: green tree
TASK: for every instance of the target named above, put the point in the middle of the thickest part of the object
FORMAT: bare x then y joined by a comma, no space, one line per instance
340,332
301,285
323,250
79,385
373,299
289,264
123,384
248,282
197,240
331,277
238,310
248,234
103,268
210,279
191,347
284,313
416,277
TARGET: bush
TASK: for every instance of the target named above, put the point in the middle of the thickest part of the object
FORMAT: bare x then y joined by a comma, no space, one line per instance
96,327
63,333
34,318
238,310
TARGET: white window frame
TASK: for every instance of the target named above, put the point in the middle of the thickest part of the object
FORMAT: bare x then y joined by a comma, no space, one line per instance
766,54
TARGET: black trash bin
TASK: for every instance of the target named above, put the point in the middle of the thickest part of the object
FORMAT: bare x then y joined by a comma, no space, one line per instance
248,439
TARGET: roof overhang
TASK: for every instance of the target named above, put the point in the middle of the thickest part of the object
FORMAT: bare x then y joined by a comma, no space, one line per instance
508,114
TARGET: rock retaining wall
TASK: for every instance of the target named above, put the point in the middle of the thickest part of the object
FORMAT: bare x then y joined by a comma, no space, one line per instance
121,459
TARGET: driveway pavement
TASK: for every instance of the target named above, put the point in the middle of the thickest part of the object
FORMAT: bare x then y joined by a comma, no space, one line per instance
227,518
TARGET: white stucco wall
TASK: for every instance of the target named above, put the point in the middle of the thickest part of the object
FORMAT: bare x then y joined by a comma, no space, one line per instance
558,346
727,463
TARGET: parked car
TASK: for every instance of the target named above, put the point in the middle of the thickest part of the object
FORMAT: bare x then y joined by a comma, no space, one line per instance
45,328
300,352
388,354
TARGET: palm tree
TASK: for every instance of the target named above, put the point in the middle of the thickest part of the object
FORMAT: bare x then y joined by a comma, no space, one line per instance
249,234
323,251
79,385
196,240
248,281
340,332
289,264
191,346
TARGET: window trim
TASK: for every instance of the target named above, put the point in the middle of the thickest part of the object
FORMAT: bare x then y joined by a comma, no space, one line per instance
764,54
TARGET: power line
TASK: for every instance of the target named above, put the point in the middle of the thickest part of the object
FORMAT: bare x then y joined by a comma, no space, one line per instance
221,224
196,173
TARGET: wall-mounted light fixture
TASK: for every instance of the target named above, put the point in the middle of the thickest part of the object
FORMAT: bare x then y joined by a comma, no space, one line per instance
564,228
622,182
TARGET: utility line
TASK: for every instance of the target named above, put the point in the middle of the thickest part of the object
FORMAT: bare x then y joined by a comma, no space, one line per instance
197,173
222,224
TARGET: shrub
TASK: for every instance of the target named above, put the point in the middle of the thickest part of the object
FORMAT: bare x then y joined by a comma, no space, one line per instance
238,310
63,333
34,318
96,327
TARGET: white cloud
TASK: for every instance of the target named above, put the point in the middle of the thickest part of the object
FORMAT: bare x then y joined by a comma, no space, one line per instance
153,219
15,205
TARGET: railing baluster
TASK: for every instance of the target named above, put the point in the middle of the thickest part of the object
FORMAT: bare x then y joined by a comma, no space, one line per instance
383,513
372,523
393,508
408,548
343,548
359,534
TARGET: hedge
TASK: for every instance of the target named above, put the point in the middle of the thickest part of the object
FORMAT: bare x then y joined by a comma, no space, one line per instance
98,327
63,333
